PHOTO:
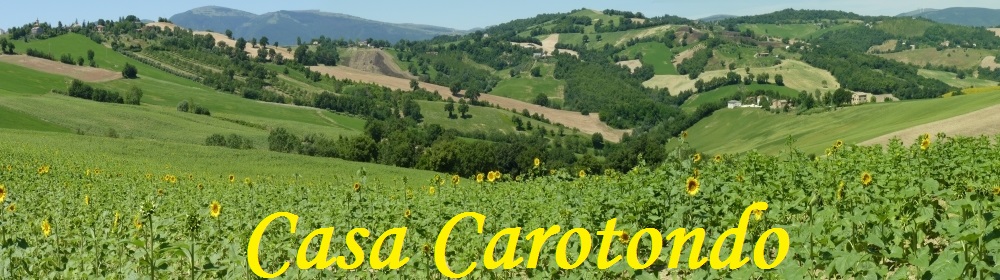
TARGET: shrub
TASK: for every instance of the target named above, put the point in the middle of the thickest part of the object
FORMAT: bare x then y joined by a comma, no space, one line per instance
216,140
183,106
133,96
233,141
130,72
281,140
198,109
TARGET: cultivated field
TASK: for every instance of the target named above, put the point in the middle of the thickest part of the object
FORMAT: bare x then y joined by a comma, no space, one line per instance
83,73
982,122
727,92
888,45
797,75
631,64
961,58
250,49
995,30
740,130
587,124
549,45
373,60
952,79
655,54
989,62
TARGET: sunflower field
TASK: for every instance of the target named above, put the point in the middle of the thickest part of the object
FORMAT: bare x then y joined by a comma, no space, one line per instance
897,212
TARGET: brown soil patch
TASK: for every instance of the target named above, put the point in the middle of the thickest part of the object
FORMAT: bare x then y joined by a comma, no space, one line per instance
995,31
549,45
689,53
888,45
631,64
376,61
982,122
638,20
989,62
249,49
586,124
83,73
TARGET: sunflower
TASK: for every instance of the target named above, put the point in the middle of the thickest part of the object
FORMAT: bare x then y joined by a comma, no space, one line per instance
215,209
247,182
42,170
718,158
427,248
499,175
357,187
201,186
479,178
46,228
838,144
117,216
696,157
926,142
697,173
3,193
160,192
996,191
431,191
623,237
757,214
455,179
537,162
137,222
684,134
86,200
11,208
829,151
407,214
232,178
491,176
692,186
866,178
582,173
739,178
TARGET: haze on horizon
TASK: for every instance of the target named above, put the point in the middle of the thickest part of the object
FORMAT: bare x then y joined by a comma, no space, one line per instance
461,15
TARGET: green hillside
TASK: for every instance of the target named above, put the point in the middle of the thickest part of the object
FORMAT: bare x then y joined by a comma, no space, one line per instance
740,130
655,54
727,92
953,80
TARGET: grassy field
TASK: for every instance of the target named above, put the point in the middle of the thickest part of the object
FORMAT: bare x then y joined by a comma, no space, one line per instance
961,58
792,31
739,130
797,75
655,54
952,80
744,56
28,92
479,119
613,38
526,89
726,93
905,27
17,120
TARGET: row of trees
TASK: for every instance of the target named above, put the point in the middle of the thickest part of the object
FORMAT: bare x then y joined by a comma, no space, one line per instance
79,89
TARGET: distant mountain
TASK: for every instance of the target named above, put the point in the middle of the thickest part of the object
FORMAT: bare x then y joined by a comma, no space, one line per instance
716,18
285,26
960,16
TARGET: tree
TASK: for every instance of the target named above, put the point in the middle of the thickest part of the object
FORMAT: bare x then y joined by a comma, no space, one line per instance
463,107
133,96
90,55
130,72
229,34
298,41
597,140
450,107
472,94
79,61
241,44
253,42
264,41
455,88
536,72
518,124
779,80
414,85
542,100
586,39
280,140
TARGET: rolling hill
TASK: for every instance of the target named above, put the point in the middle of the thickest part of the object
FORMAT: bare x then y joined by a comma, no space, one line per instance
286,26
960,16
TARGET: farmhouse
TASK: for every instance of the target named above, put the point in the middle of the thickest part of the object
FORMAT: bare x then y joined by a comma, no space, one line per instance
860,98
732,104
37,29
100,28
779,104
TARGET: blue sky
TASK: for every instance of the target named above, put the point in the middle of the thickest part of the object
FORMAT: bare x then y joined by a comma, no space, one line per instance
465,14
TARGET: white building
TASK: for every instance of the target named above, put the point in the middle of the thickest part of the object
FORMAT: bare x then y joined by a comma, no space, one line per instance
732,104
